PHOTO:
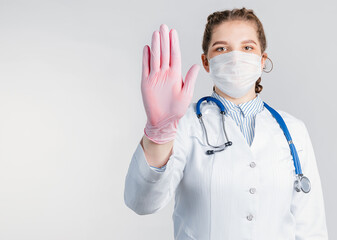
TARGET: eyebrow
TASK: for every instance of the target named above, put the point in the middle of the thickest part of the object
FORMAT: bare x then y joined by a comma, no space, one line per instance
224,42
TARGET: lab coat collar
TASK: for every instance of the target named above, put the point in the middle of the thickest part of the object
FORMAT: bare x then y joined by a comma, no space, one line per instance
249,108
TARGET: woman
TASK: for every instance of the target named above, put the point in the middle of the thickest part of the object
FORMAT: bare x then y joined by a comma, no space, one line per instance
245,191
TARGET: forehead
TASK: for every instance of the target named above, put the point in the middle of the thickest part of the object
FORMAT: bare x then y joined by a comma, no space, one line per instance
235,30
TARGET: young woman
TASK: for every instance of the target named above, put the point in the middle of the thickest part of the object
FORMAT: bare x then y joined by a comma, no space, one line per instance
246,190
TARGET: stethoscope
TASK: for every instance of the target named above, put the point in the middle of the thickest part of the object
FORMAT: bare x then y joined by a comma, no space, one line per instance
301,182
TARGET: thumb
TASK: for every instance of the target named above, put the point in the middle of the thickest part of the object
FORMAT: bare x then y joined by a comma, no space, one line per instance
190,79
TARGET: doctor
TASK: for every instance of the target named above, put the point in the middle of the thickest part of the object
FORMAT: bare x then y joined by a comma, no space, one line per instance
245,191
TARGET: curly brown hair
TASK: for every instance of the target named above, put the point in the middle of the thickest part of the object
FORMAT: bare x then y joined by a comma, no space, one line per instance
243,14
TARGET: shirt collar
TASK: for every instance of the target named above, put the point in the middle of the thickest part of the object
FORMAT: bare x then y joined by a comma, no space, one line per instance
249,108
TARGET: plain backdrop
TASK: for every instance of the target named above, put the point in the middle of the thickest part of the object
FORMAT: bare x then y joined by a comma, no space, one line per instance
71,110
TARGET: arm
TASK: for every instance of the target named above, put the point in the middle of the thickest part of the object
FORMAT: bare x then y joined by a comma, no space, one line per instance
166,98
156,154
308,208
147,190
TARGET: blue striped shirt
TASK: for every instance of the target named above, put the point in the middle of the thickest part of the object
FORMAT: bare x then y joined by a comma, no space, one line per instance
243,114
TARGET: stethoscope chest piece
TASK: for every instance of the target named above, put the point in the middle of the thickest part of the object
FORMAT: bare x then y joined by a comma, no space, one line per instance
302,183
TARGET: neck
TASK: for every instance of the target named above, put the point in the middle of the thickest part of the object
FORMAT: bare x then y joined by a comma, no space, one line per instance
246,98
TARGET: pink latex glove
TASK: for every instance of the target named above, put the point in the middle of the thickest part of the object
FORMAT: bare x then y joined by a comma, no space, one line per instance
165,96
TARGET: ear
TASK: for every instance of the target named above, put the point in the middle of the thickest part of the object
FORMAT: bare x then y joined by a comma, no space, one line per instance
264,58
205,62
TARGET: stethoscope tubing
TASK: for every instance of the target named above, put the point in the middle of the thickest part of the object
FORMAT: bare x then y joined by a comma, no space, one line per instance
301,182
284,127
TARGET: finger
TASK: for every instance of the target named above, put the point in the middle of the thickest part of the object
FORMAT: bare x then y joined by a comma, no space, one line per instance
190,79
175,63
145,64
164,46
155,52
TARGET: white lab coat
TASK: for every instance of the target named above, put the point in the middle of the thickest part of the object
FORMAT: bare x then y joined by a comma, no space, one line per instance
243,192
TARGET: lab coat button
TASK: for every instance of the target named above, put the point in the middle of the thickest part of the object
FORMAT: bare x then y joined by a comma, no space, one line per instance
252,190
250,217
252,164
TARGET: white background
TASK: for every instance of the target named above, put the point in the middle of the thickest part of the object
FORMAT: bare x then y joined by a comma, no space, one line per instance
71,110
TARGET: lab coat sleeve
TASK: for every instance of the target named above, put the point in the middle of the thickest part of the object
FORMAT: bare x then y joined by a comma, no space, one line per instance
148,190
308,208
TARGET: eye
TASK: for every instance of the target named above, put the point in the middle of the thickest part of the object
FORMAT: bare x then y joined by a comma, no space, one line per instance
217,49
248,47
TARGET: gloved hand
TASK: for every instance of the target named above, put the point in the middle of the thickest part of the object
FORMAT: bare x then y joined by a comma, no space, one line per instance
165,96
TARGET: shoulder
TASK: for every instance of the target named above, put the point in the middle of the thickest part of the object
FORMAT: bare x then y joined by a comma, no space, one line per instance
191,110
205,108
288,118
189,121
189,114
291,119
296,127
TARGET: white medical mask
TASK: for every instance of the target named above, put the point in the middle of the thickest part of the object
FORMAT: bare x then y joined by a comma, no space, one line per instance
235,72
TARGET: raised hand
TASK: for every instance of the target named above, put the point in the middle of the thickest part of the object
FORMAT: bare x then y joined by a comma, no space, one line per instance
166,96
